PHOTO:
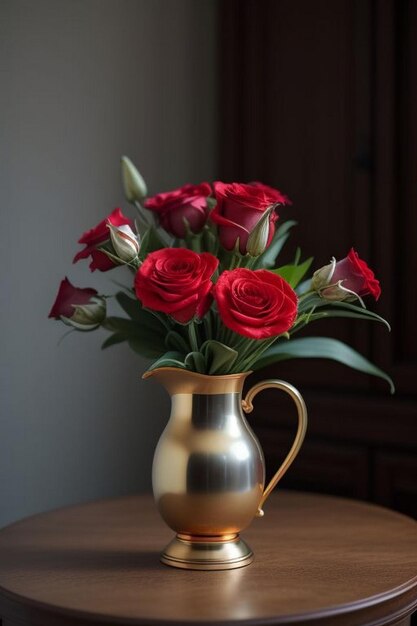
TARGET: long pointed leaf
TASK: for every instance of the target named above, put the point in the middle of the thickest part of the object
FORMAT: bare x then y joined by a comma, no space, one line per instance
346,313
169,359
142,339
321,348
292,273
314,300
136,312
113,339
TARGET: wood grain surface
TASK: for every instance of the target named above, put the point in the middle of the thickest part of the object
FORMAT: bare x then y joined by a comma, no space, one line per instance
318,559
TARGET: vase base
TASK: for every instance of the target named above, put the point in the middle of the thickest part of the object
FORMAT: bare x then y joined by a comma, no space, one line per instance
207,553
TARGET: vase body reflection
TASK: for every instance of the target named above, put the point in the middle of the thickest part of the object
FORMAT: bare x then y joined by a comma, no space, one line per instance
208,471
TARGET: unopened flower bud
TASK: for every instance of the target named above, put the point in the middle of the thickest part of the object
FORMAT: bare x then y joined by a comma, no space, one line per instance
347,279
323,276
88,316
82,309
337,293
258,239
133,184
124,241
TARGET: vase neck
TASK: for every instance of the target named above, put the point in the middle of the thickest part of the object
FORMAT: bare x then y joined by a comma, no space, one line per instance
180,381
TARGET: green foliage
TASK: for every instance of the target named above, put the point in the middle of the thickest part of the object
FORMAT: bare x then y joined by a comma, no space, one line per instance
219,358
320,348
112,340
175,341
312,302
150,242
213,358
294,273
195,362
143,331
169,359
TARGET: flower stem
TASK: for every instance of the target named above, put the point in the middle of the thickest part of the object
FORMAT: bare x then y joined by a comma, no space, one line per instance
192,335
250,360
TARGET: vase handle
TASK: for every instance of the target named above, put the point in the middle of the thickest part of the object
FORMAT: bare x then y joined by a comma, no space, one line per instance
299,437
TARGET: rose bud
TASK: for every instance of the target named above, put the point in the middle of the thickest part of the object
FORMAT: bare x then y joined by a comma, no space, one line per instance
347,279
182,209
322,277
81,308
238,210
96,237
258,239
133,184
124,241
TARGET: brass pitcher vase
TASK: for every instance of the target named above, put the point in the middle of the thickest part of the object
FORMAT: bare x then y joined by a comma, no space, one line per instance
208,471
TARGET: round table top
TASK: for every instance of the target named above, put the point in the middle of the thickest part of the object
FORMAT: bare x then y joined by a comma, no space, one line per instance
325,559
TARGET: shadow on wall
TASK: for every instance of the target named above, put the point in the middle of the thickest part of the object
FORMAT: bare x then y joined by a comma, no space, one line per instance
85,83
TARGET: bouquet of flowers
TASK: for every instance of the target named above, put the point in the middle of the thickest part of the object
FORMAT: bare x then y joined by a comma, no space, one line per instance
207,293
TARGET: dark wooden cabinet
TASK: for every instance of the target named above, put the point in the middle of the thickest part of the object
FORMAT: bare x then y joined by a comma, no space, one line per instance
320,100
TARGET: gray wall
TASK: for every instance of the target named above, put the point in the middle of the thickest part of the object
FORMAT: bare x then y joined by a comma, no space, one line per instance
82,82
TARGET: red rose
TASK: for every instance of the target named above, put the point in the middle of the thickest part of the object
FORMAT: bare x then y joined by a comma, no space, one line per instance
257,304
67,297
356,276
279,198
96,237
188,202
239,208
176,281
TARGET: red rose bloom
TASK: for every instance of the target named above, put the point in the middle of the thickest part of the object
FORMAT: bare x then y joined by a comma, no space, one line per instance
239,208
176,281
68,295
279,198
257,304
356,276
96,237
186,203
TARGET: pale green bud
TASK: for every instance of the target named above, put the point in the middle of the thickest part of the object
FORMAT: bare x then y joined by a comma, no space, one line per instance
133,184
323,276
87,316
258,239
124,241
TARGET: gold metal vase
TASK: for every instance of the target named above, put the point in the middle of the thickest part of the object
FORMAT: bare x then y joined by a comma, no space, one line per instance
209,471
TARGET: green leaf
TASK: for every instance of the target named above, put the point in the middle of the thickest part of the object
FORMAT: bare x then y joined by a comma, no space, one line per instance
349,310
219,358
142,339
150,242
169,359
311,300
174,341
292,273
113,340
130,305
136,312
195,362
297,256
267,258
364,312
344,309
321,348
303,287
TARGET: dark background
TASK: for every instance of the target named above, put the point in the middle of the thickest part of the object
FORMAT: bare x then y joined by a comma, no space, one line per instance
319,98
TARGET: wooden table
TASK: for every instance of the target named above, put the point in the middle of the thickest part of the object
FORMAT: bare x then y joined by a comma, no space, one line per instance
318,560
